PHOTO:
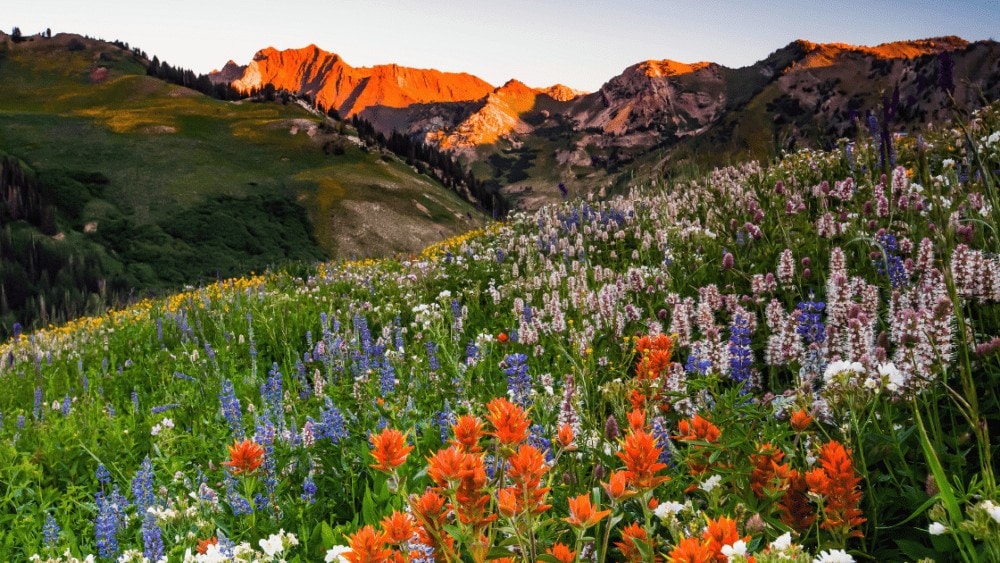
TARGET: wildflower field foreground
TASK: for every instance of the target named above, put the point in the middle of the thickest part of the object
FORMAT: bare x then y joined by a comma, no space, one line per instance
796,362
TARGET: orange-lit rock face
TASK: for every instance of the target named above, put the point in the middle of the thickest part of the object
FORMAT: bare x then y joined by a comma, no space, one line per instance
335,84
826,54
667,67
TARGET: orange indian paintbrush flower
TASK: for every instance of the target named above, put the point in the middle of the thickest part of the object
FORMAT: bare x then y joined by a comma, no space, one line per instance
368,546
641,457
468,430
837,481
448,466
527,467
205,543
698,429
720,533
565,437
398,527
800,420
691,550
562,553
617,486
632,537
389,449
244,457
509,421
582,514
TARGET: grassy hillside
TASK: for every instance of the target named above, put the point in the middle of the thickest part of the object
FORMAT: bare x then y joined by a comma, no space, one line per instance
167,156
793,363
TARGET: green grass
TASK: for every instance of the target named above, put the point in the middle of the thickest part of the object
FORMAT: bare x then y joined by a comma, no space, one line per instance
164,146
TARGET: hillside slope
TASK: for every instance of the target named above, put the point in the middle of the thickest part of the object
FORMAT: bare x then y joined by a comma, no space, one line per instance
163,155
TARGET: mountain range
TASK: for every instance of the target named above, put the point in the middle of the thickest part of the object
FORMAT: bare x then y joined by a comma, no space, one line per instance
656,113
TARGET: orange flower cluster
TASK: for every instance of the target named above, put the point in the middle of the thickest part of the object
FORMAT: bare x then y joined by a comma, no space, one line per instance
634,536
582,514
525,494
769,477
510,423
368,546
204,544
654,361
389,449
562,553
459,473
837,481
800,420
641,456
708,547
244,457
698,429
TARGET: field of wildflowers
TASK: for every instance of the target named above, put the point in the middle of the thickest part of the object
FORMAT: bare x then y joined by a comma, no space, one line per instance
796,362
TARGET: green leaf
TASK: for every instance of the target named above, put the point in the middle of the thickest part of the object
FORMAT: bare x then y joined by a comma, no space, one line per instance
369,512
326,534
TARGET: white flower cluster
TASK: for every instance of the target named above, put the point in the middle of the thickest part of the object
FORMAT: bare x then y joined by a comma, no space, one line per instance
274,546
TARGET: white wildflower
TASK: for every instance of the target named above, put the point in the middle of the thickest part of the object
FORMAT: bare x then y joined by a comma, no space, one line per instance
936,529
708,484
833,556
738,548
336,554
782,542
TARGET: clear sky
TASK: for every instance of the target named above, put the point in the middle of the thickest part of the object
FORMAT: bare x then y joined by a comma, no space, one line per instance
580,43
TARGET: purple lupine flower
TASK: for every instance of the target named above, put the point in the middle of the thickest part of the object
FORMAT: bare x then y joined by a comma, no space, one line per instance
237,502
184,376
142,486
444,419
309,489
432,360
50,532
696,365
17,328
231,409
103,475
740,354
810,318
67,405
332,424
110,510
305,390
662,436
135,400
158,409
471,353
889,262
515,367
36,411
387,381
152,538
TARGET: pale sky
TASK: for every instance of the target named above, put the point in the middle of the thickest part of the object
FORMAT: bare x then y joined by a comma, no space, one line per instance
579,43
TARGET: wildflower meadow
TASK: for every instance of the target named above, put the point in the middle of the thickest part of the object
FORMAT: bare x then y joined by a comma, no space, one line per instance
791,362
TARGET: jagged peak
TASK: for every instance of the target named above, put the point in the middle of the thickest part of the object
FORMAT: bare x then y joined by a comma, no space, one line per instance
667,67
891,50
515,86
561,92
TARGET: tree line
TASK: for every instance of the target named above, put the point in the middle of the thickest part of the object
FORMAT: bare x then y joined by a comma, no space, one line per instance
441,166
